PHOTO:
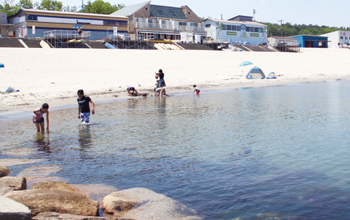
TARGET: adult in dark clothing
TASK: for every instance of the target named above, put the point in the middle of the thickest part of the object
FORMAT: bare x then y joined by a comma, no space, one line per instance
84,107
161,82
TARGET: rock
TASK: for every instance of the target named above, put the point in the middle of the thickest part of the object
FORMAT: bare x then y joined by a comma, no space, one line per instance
60,216
39,201
48,184
4,189
12,210
4,171
31,180
141,203
95,191
16,183
40,170
13,162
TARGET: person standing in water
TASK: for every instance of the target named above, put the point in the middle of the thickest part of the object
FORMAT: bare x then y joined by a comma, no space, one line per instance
161,82
84,107
196,90
38,118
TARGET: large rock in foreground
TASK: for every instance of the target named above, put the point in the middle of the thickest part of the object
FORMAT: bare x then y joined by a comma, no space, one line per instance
4,171
144,204
12,210
4,189
39,201
16,183
52,185
60,216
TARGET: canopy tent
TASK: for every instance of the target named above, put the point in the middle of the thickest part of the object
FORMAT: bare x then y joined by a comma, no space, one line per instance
255,73
245,63
2,65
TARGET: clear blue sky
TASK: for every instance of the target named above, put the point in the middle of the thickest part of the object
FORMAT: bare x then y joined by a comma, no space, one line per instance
320,12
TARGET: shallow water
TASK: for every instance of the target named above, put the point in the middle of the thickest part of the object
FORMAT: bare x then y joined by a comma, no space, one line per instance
251,153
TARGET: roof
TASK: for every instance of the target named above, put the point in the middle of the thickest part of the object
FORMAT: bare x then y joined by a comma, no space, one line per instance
279,37
305,35
241,16
167,12
238,22
67,13
131,9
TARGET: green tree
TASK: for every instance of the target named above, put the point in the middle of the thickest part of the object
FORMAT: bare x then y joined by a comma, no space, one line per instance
27,4
9,7
70,9
51,5
101,7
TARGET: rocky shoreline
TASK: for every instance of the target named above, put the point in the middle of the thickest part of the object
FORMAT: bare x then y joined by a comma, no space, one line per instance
51,200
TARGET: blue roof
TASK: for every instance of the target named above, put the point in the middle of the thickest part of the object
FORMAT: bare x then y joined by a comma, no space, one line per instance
167,12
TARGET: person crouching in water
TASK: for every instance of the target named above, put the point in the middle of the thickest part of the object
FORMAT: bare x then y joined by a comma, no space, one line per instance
84,107
196,90
132,91
38,118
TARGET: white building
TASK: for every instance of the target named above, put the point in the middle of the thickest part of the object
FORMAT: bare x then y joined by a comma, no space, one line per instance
337,39
237,30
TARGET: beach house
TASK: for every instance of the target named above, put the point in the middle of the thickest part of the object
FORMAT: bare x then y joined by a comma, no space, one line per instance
157,22
338,39
312,41
237,30
34,23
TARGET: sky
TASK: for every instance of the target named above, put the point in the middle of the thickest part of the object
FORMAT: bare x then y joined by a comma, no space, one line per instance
316,12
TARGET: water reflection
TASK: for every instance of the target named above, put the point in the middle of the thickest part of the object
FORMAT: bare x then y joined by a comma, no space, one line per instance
84,136
42,142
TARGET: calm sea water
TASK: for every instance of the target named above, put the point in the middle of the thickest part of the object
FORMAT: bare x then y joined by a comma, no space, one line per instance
255,153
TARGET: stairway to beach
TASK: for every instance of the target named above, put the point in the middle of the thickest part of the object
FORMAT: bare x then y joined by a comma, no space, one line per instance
10,42
32,43
194,46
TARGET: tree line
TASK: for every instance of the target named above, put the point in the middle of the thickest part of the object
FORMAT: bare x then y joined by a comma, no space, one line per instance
96,7
289,29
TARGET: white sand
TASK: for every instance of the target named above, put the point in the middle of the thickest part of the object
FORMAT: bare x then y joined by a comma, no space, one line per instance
55,75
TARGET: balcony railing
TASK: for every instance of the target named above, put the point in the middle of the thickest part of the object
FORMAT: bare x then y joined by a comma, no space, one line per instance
167,26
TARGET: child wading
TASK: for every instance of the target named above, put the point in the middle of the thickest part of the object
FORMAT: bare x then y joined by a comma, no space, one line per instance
196,90
84,107
132,91
38,118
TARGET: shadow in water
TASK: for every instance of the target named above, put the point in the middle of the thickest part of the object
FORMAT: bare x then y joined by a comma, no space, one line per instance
42,142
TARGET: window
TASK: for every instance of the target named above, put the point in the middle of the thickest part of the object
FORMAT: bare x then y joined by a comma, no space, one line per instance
160,12
248,29
234,28
173,13
257,30
163,22
207,25
189,13
150,21
194,24
32,17
341,38
182,23
146,9
238,28
228,27
225,27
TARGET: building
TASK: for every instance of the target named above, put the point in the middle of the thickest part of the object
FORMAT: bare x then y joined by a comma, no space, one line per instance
312,41
338,39
237,30
34,23
276,40
156,22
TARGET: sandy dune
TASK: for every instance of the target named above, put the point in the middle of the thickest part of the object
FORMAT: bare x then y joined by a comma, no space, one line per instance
54,75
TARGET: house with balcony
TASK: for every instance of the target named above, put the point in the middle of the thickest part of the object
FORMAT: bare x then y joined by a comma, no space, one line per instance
156,22
237,30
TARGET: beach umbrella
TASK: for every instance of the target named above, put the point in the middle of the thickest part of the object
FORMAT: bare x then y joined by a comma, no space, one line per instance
2,65
246,63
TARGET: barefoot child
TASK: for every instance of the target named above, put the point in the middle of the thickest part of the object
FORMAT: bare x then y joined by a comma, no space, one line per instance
84,107
132,91
196,90
38,118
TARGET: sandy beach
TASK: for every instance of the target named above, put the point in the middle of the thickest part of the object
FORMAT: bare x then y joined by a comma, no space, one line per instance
55,75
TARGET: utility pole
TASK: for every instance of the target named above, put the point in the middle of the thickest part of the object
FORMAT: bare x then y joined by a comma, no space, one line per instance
281,26
82,6
221,17
254,12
